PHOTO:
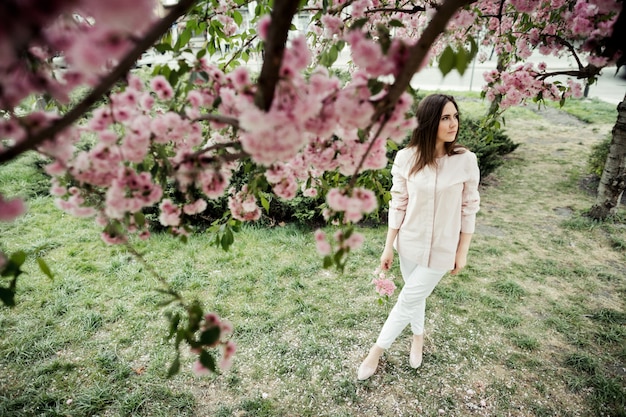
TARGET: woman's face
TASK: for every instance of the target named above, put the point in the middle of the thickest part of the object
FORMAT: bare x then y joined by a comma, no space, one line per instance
448,123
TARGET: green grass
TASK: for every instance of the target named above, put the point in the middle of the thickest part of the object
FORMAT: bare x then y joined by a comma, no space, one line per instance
589,110
533,326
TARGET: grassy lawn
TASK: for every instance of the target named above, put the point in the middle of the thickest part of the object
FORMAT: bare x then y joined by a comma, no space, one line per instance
535,326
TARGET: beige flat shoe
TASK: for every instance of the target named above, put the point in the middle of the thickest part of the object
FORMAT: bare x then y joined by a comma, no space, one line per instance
365,372
415,360
415,357
365,369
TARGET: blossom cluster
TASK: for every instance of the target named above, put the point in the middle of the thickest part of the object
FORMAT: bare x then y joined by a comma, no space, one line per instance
584,24
10,209
223,328
344,241
354,206
90,34
314,125
383,284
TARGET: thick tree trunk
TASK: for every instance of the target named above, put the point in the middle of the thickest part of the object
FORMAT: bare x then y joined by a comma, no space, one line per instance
613,181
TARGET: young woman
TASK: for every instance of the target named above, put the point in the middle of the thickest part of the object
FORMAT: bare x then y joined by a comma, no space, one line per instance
431,220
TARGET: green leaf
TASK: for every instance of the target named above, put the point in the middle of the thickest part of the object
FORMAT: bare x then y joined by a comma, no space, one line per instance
174,322
265,203
195,316
163,47
44,268
396,23
328,261
18,258
7,296
227,239
375,86
207,360
140,219
473,47
461,61
174,367
210,336
183,38
447,60
237,17
359,23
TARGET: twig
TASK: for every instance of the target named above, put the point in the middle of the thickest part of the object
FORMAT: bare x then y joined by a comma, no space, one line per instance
234,122
152,271
412,10
587,72
238,52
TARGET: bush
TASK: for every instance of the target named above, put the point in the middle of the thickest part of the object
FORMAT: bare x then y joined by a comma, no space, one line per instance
306,211
597,158
489,144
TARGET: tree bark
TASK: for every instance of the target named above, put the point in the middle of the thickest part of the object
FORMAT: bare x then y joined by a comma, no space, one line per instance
613,181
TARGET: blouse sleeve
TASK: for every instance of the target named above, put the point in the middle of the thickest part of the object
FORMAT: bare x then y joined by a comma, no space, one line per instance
399,194
471,198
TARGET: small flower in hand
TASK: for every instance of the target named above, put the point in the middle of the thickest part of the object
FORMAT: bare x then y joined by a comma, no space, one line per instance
384,285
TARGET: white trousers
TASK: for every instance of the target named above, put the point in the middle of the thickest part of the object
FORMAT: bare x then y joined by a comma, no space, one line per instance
419,283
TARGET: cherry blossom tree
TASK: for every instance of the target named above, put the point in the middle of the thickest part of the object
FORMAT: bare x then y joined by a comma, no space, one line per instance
590,33
172,141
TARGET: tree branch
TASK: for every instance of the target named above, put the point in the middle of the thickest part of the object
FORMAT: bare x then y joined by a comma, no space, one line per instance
418,53
234,122
586,72
281,16
36,138
412,10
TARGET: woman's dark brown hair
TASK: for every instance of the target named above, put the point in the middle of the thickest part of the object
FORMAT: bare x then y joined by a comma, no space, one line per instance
424,137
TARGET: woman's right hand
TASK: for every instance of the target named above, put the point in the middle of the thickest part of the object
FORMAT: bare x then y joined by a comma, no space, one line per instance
386,259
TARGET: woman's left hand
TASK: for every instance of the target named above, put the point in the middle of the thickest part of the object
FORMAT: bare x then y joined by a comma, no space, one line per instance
459,263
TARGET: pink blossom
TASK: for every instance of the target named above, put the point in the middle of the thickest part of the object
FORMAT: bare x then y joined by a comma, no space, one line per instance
228,351
323,248
264,27
194,208
113,240
10,209
384,286
243,206
162,87
309,192
211,320
355,241
199,369
170,213
240,78
213,183
226,328
195,98
121,14
332,24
